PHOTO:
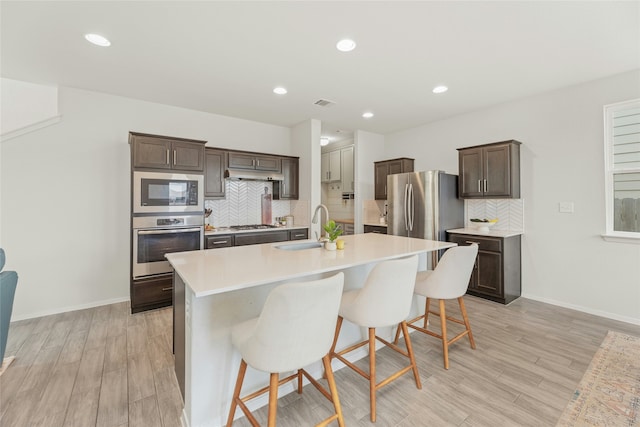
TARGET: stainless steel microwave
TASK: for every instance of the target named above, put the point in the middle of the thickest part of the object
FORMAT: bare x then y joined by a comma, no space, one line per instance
158,192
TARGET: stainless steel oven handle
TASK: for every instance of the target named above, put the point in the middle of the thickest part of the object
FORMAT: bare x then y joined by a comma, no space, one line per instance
178,230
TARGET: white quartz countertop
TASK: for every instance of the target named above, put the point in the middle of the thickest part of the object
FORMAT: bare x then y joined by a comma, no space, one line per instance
215,271
490,233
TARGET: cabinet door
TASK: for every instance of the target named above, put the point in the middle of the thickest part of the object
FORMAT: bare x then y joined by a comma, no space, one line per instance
258,238
347,170
214,184
151,153
489,273
381,171
187,156
268,163
325,168
288,188
242,161
497,171
470,167
334,166
213,242
301,234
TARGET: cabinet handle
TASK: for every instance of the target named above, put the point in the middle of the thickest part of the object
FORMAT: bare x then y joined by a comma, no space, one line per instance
485,185
471,242
167,156
284,188
299,235
174,157
479,188
220,242
258,162
253,162
167,289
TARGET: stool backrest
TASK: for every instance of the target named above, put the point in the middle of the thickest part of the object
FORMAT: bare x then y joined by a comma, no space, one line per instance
8,283
450,278
385,299
297,324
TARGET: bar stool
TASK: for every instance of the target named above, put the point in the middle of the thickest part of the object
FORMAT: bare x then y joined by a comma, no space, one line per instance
449,280
294,330
385,300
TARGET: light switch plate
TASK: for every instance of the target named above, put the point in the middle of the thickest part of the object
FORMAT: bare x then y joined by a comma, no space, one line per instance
565,207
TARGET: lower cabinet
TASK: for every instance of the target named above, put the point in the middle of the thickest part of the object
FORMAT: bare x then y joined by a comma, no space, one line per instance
301,234
213,242
147,294
380,229
497,272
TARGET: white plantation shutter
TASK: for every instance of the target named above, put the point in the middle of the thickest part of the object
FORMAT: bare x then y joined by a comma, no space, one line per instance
622,146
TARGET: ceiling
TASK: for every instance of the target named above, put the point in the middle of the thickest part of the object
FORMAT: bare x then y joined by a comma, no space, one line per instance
226,57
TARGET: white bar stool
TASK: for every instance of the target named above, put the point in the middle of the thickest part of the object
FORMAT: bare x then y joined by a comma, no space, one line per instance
385,300
294,330
449,280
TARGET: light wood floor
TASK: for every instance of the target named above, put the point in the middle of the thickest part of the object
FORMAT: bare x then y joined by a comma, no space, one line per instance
105,367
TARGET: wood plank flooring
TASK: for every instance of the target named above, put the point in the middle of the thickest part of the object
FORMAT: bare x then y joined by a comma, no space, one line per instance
105,367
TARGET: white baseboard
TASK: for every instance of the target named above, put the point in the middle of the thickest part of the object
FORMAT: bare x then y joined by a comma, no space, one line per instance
613,316
71,308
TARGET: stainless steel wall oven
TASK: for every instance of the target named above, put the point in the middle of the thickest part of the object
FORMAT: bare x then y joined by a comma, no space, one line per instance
155,236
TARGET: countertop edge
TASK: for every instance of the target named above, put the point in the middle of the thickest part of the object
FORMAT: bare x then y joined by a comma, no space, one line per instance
491,233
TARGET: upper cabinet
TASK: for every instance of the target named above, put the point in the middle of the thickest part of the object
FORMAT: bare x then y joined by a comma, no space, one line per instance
288,188
254,162
162,152
214,167
330,166
389,167
346,170
490,171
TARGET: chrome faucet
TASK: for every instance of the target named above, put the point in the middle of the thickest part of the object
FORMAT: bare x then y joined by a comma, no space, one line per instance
316,217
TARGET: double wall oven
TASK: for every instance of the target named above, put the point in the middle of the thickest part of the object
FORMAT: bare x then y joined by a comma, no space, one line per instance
167,216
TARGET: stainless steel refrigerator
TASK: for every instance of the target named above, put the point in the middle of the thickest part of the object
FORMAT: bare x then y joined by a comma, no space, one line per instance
423,204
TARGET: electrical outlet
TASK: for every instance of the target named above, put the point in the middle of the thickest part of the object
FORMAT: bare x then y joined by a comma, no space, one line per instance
565,207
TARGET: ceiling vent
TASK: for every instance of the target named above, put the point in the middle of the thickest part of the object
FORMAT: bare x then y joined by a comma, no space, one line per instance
324,103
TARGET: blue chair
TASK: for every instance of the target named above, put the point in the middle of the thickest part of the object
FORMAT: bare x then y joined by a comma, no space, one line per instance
8,283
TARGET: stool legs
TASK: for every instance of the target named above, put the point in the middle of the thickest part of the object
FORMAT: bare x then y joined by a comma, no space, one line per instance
273,400
467,325
443,331
371,375
236,392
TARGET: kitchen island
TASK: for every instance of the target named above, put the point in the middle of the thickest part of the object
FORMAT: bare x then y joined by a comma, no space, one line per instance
216,289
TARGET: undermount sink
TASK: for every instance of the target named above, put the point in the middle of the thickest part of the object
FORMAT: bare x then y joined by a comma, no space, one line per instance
299,246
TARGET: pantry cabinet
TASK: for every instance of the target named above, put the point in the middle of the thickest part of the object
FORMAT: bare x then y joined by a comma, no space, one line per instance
346,170
167,153
385,168
489,171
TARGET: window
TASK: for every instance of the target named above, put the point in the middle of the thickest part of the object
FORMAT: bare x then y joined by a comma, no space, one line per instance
622,170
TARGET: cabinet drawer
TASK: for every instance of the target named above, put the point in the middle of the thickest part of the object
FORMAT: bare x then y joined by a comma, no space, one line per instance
214,242
257,238
493,244
379,229
299,234
147,292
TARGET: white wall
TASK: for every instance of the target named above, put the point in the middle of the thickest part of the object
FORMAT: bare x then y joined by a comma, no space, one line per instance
66,194
368,148
564,259
24,104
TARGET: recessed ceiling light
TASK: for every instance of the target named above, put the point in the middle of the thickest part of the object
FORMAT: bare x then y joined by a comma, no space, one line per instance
440,89
324,141
97,39
346,45
367,115
280,90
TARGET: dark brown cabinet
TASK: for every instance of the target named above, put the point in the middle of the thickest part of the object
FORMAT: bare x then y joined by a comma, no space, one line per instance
163,152
155,292
389,167
288,188
255,162
214,242
261,237
497,272
214,167
379,229
300,234
491,170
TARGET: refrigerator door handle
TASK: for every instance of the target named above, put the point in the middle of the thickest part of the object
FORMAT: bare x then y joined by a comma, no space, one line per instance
406,206
411,207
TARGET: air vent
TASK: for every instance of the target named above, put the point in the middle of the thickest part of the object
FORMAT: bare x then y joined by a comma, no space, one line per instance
324,103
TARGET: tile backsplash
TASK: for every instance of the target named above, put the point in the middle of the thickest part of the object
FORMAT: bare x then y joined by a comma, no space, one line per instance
243,205
510,212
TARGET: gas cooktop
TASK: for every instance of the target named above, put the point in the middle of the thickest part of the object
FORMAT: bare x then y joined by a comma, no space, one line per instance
252,227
